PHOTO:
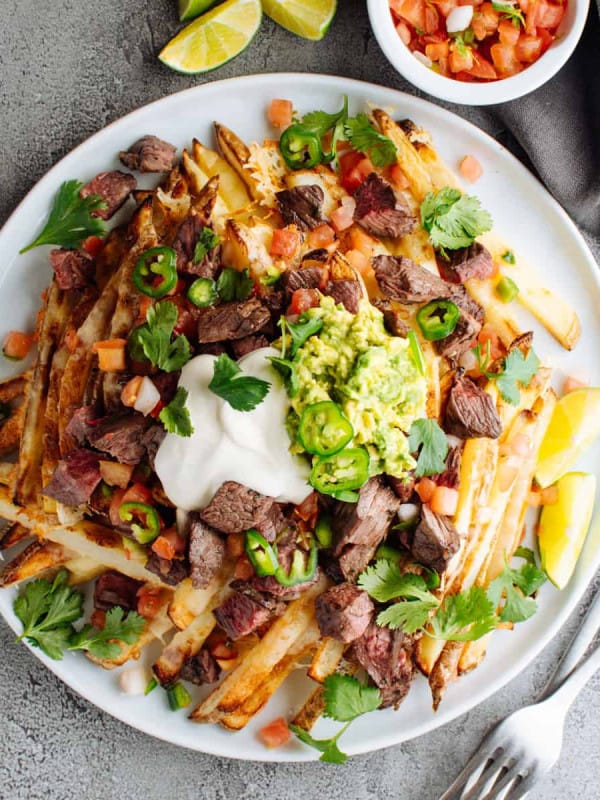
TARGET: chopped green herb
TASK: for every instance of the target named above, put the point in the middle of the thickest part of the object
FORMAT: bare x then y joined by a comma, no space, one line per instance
509,257
452,219
104,642
207,241
366,139
242,392
508,11
464,617
299,332
518,370
287,370
176,416
517,586
152,340
234,285
427,435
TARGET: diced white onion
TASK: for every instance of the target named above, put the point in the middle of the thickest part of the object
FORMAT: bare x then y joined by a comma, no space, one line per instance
407,512
468,360
459,19
453,441
134,680
422,58
148,397
349,202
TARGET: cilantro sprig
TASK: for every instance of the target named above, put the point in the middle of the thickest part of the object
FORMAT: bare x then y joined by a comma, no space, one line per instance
508,11
465,616
207,241
234,285
104,642
298,334
516,586
70,221
242,392
176,416
517,370
152,340
345,698
384,582
427,435
453,219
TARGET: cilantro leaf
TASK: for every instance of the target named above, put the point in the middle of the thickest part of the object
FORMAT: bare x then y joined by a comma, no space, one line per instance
104,642
464,617
287,370
299,332
207,241
409,615
70,221
347,698
516,585
242,392
509,257
46,611
452,219
176,416
518,369
366,139
152,340
328,747
320,122
427,435
508,11
383,581
234,285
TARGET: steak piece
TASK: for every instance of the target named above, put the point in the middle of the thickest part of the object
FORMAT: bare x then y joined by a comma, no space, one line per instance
275,301
346,292
74,478
185,243
305,278
113,589
461,265
379,211
402,279
232,320
344,612
471,412
170,572
149,154
152,440
201,668
121,436
450,477
435,540
246,610
360,527
461,338
403,487
206,553
73,269
272,524
387,657
79,426
113,187
301,206
319,254
459,295
392,319
235,508
241,347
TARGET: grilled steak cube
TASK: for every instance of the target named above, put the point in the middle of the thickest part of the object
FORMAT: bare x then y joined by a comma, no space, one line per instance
346,292
201,668
402,279
301,206
379,211
461,338
73,269
206,553
305,278
185,243
74,478
246,610
471,412
113,187
344,612
460,296
435,540
232,320
387,657
113,589
403,487
236,508
121,436
392,319
170,572
461,265
241,347
149,154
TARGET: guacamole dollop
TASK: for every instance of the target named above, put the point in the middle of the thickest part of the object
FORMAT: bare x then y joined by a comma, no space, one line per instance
371,375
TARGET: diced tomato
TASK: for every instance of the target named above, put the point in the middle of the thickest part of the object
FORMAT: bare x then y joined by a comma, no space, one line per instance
445,6
243,569
343,216
470,168
116,502
571,383
507,32
303,299
413,11
443,67
546,37
529,48
138,493
115,474
398,177
543,14
111,354
438,50
235,544
444,501
321,236
130,391
186,321
482,68
505,59
284,243
280,113
425,489
485,21
404,32
354,168
488,334
460,61
18,344
275,733
93,245
150,601
144,304
98,618
168,545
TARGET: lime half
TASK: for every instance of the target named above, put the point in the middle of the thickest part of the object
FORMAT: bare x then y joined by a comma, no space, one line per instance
214,38
307,18
189,9
564,526
574,425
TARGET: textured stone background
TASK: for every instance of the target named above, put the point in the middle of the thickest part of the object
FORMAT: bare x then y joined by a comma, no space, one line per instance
68,68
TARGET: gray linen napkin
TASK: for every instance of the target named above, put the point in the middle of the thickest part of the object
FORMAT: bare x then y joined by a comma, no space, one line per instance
558,126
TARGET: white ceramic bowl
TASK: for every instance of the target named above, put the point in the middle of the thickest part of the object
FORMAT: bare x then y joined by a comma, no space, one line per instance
478,94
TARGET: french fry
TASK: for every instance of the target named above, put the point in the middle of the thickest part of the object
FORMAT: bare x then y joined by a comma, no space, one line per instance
14,534
237,155
36,559
232,188
326,659
188,602
8,471
82,570
407,156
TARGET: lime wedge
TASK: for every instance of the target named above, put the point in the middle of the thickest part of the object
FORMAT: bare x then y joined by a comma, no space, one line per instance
188,9
563,526
307,18
574,425
214,38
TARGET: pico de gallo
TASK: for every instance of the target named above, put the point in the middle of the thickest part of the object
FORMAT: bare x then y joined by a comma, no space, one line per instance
471,40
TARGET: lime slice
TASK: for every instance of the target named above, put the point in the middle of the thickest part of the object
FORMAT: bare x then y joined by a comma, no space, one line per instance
188,9
563,526
574,425
307,18
214,38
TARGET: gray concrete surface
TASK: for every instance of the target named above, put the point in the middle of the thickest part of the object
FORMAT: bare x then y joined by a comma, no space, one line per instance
68,68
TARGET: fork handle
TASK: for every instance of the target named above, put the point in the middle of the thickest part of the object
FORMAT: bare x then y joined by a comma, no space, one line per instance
576,649
570,688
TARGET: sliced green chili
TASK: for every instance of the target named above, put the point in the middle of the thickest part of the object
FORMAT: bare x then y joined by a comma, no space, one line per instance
303,567
346,470
261,554
324,531
438,319
388,553
506,289
323,429
178,697
300,148
509,257
148,516
152,684
416,352
155,272
203,292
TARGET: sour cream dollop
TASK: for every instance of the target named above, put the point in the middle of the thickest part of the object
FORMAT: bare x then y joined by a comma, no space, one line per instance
250,447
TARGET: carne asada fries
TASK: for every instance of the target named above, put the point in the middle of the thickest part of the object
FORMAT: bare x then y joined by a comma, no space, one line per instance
285,418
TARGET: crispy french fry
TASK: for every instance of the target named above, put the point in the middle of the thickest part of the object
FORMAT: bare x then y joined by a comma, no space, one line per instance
406,155
7,473
82,569
36,559
326,659
14,534
188,602
232,188
237,155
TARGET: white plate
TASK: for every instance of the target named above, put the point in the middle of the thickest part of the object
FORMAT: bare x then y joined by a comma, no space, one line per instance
523,212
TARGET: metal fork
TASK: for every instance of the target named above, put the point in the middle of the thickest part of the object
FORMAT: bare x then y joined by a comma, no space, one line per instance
527,744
